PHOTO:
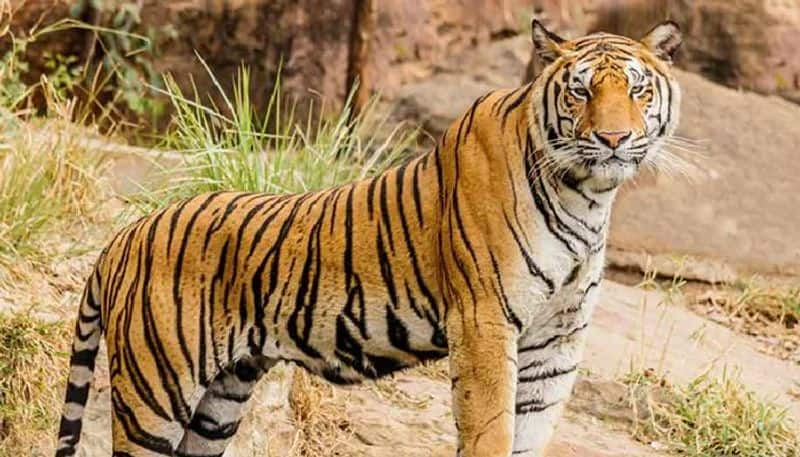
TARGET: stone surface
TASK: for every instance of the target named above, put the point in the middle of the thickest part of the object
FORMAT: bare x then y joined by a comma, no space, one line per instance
307,38
651,329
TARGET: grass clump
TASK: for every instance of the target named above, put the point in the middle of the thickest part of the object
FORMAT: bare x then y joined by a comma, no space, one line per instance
47,176
231,147
31,351
710,417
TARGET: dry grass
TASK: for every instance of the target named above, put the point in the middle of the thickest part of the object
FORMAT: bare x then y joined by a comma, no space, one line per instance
709,418
31,351
770,313
320,421
438,370
49,181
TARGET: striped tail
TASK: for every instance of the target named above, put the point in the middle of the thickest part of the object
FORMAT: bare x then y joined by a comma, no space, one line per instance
85,344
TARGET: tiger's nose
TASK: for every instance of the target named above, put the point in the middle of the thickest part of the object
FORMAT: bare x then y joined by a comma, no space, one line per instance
612,139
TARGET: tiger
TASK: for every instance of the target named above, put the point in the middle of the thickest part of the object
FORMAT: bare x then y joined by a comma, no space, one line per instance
488,249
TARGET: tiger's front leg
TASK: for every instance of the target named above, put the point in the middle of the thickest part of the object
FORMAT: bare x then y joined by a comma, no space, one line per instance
548,357
483,373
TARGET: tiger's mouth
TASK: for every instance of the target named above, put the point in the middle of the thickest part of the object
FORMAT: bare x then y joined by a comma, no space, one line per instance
616,157
614,169
604,166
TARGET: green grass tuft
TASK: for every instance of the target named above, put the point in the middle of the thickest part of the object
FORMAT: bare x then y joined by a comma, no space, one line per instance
46,177
712,418
233,148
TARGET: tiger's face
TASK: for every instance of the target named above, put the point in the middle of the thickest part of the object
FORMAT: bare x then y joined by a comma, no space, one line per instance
606,101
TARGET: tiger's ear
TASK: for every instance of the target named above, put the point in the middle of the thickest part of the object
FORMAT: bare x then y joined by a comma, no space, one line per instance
546,43
663,40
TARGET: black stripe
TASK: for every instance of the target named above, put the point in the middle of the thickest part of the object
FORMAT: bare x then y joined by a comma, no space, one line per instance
307,291
384,205
511,317
560,222
260,297
371,195
176,280
143,389
533,269
200,426
515,104
498,104
472,113
351,279
169,377
533,406
386,270
218,222
416,193
547,374
134,431
398,337
553,339
412,253
549,223
439,177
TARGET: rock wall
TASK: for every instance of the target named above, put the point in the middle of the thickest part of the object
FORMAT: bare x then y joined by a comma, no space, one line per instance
746,44
307,38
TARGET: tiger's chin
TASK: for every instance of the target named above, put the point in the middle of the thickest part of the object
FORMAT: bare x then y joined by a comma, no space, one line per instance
605,175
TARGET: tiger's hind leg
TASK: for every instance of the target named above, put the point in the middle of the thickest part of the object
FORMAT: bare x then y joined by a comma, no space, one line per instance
217,416
137,429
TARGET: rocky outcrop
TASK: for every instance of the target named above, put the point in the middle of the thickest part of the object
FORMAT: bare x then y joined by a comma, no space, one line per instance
306,38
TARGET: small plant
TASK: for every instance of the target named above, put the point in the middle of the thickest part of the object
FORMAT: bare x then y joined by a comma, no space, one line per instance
670,284
31,351
233,148
64,73
710,418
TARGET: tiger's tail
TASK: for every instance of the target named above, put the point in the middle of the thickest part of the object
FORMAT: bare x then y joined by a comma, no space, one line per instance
85,343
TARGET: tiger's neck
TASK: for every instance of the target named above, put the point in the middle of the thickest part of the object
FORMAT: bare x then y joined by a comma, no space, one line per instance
488,164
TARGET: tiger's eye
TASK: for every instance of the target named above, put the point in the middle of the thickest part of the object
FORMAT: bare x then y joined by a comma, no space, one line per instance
638,89
580,92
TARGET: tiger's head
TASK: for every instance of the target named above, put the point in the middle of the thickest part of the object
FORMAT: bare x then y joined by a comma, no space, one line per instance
603,102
